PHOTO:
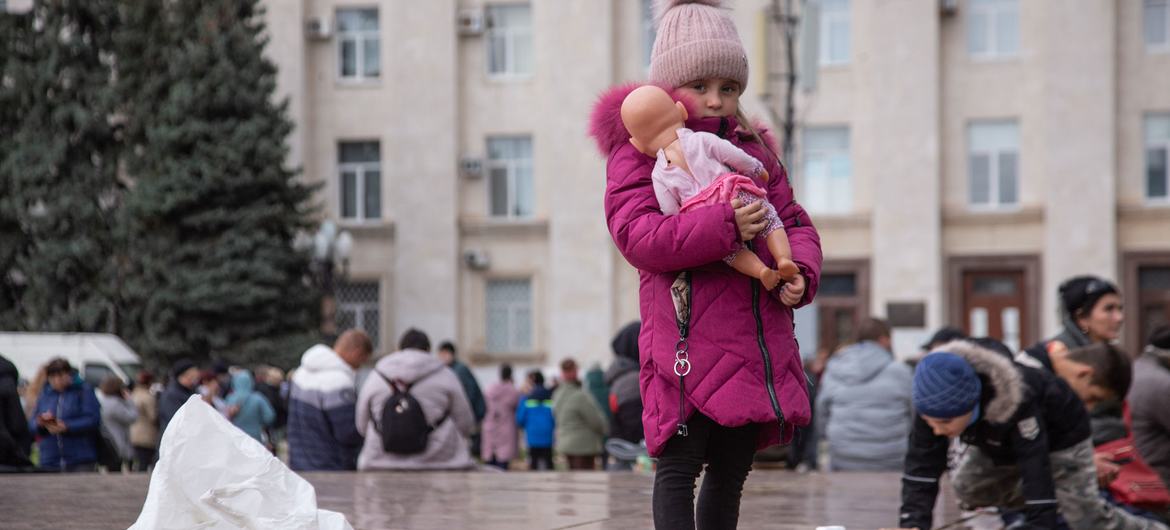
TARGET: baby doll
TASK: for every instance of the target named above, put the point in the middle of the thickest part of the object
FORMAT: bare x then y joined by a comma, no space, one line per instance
696,169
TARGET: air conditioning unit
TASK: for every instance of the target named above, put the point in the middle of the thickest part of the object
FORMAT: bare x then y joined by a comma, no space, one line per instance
318,28
471,167
469,22
476,260
948,7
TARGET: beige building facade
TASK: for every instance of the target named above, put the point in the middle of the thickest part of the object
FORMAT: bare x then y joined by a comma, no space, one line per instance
959,158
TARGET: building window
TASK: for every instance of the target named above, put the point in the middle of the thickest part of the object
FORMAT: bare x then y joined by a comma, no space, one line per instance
358,44
993,164
357,308
834,32
1156,22
828,170
509,38
993,28
509,316
360,170
1157,146
510,176
649,32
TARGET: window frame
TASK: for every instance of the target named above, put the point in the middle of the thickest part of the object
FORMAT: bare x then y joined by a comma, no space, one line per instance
991,9
846,205
360,169
510,36
1160,47
825,35
994,156
1148,143
359,38
511,346
512,168
360,309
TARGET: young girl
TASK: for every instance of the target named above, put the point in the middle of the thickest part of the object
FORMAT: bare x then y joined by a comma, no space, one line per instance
725,379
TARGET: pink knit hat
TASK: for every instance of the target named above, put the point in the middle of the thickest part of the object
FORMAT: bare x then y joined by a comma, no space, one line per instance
696,40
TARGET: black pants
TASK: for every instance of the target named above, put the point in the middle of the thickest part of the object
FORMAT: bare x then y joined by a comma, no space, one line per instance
144,458
727,452
540,459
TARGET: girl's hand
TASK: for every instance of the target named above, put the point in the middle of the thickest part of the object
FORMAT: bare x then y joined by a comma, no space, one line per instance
792,291
749,218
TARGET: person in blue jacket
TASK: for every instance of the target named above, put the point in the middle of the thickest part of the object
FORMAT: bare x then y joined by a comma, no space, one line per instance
67,419
253,412
535,416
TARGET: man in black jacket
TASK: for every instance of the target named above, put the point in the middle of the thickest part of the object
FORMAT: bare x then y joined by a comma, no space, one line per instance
15,438
1028,436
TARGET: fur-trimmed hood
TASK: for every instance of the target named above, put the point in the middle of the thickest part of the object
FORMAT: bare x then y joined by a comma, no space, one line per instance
608,132
1007,385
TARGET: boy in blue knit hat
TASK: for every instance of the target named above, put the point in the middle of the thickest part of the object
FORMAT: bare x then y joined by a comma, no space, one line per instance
1028,436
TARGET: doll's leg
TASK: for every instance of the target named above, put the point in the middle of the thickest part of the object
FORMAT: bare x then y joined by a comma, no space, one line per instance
777,241
748,264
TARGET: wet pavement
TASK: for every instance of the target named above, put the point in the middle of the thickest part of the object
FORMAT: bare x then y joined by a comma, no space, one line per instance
586,500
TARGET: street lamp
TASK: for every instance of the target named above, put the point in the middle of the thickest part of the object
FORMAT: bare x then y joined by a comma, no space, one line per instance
331,250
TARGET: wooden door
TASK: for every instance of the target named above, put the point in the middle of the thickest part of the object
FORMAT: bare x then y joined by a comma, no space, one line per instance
994,305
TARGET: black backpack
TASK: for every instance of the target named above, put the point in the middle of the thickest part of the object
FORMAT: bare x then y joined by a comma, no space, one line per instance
404,428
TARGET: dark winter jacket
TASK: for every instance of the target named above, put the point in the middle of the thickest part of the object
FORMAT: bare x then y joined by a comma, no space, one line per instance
15,437
1025,415
625,399
173,397
1036,355
1148,406
535,416
322,432
471,390
78,407
625,402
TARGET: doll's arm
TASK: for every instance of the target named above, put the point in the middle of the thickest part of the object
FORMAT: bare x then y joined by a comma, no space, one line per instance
731,156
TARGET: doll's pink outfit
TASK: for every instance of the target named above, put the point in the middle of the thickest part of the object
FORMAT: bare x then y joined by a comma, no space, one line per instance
709,181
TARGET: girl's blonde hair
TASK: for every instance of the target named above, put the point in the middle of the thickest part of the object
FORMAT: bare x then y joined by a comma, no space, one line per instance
755,136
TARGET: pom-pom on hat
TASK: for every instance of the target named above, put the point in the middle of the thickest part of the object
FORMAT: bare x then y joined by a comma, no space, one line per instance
945,386
696,40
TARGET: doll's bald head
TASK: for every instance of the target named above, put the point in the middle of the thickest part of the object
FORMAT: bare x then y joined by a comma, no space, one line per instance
652,118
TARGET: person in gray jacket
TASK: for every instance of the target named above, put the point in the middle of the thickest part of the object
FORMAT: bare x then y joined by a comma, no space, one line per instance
864,407
1147,402
441,397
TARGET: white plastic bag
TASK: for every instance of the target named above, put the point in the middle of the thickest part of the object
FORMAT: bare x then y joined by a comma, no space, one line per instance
211,476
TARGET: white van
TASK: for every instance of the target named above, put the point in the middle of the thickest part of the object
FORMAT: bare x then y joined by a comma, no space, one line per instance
94,355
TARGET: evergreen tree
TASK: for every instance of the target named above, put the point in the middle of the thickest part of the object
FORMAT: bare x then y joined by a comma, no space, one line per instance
58,167
209,221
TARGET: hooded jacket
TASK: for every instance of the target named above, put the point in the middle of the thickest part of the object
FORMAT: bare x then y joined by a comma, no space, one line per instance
864,408
499,435
321,431
78,407
534,414
15,437
1151,416
625,400
745,365
255,412
441,397
1025,415
580,425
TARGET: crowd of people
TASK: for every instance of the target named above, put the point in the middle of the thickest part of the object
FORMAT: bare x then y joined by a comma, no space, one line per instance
329,417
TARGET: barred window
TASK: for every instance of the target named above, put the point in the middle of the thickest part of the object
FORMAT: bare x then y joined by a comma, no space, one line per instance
357,308
509,316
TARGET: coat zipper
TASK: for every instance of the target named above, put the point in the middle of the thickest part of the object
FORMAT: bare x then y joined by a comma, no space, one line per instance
764,350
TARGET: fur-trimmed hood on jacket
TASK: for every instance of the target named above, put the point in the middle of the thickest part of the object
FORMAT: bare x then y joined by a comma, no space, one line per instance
608,132
1007,386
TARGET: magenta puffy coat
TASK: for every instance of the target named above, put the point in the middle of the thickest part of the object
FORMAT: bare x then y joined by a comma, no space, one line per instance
731,374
